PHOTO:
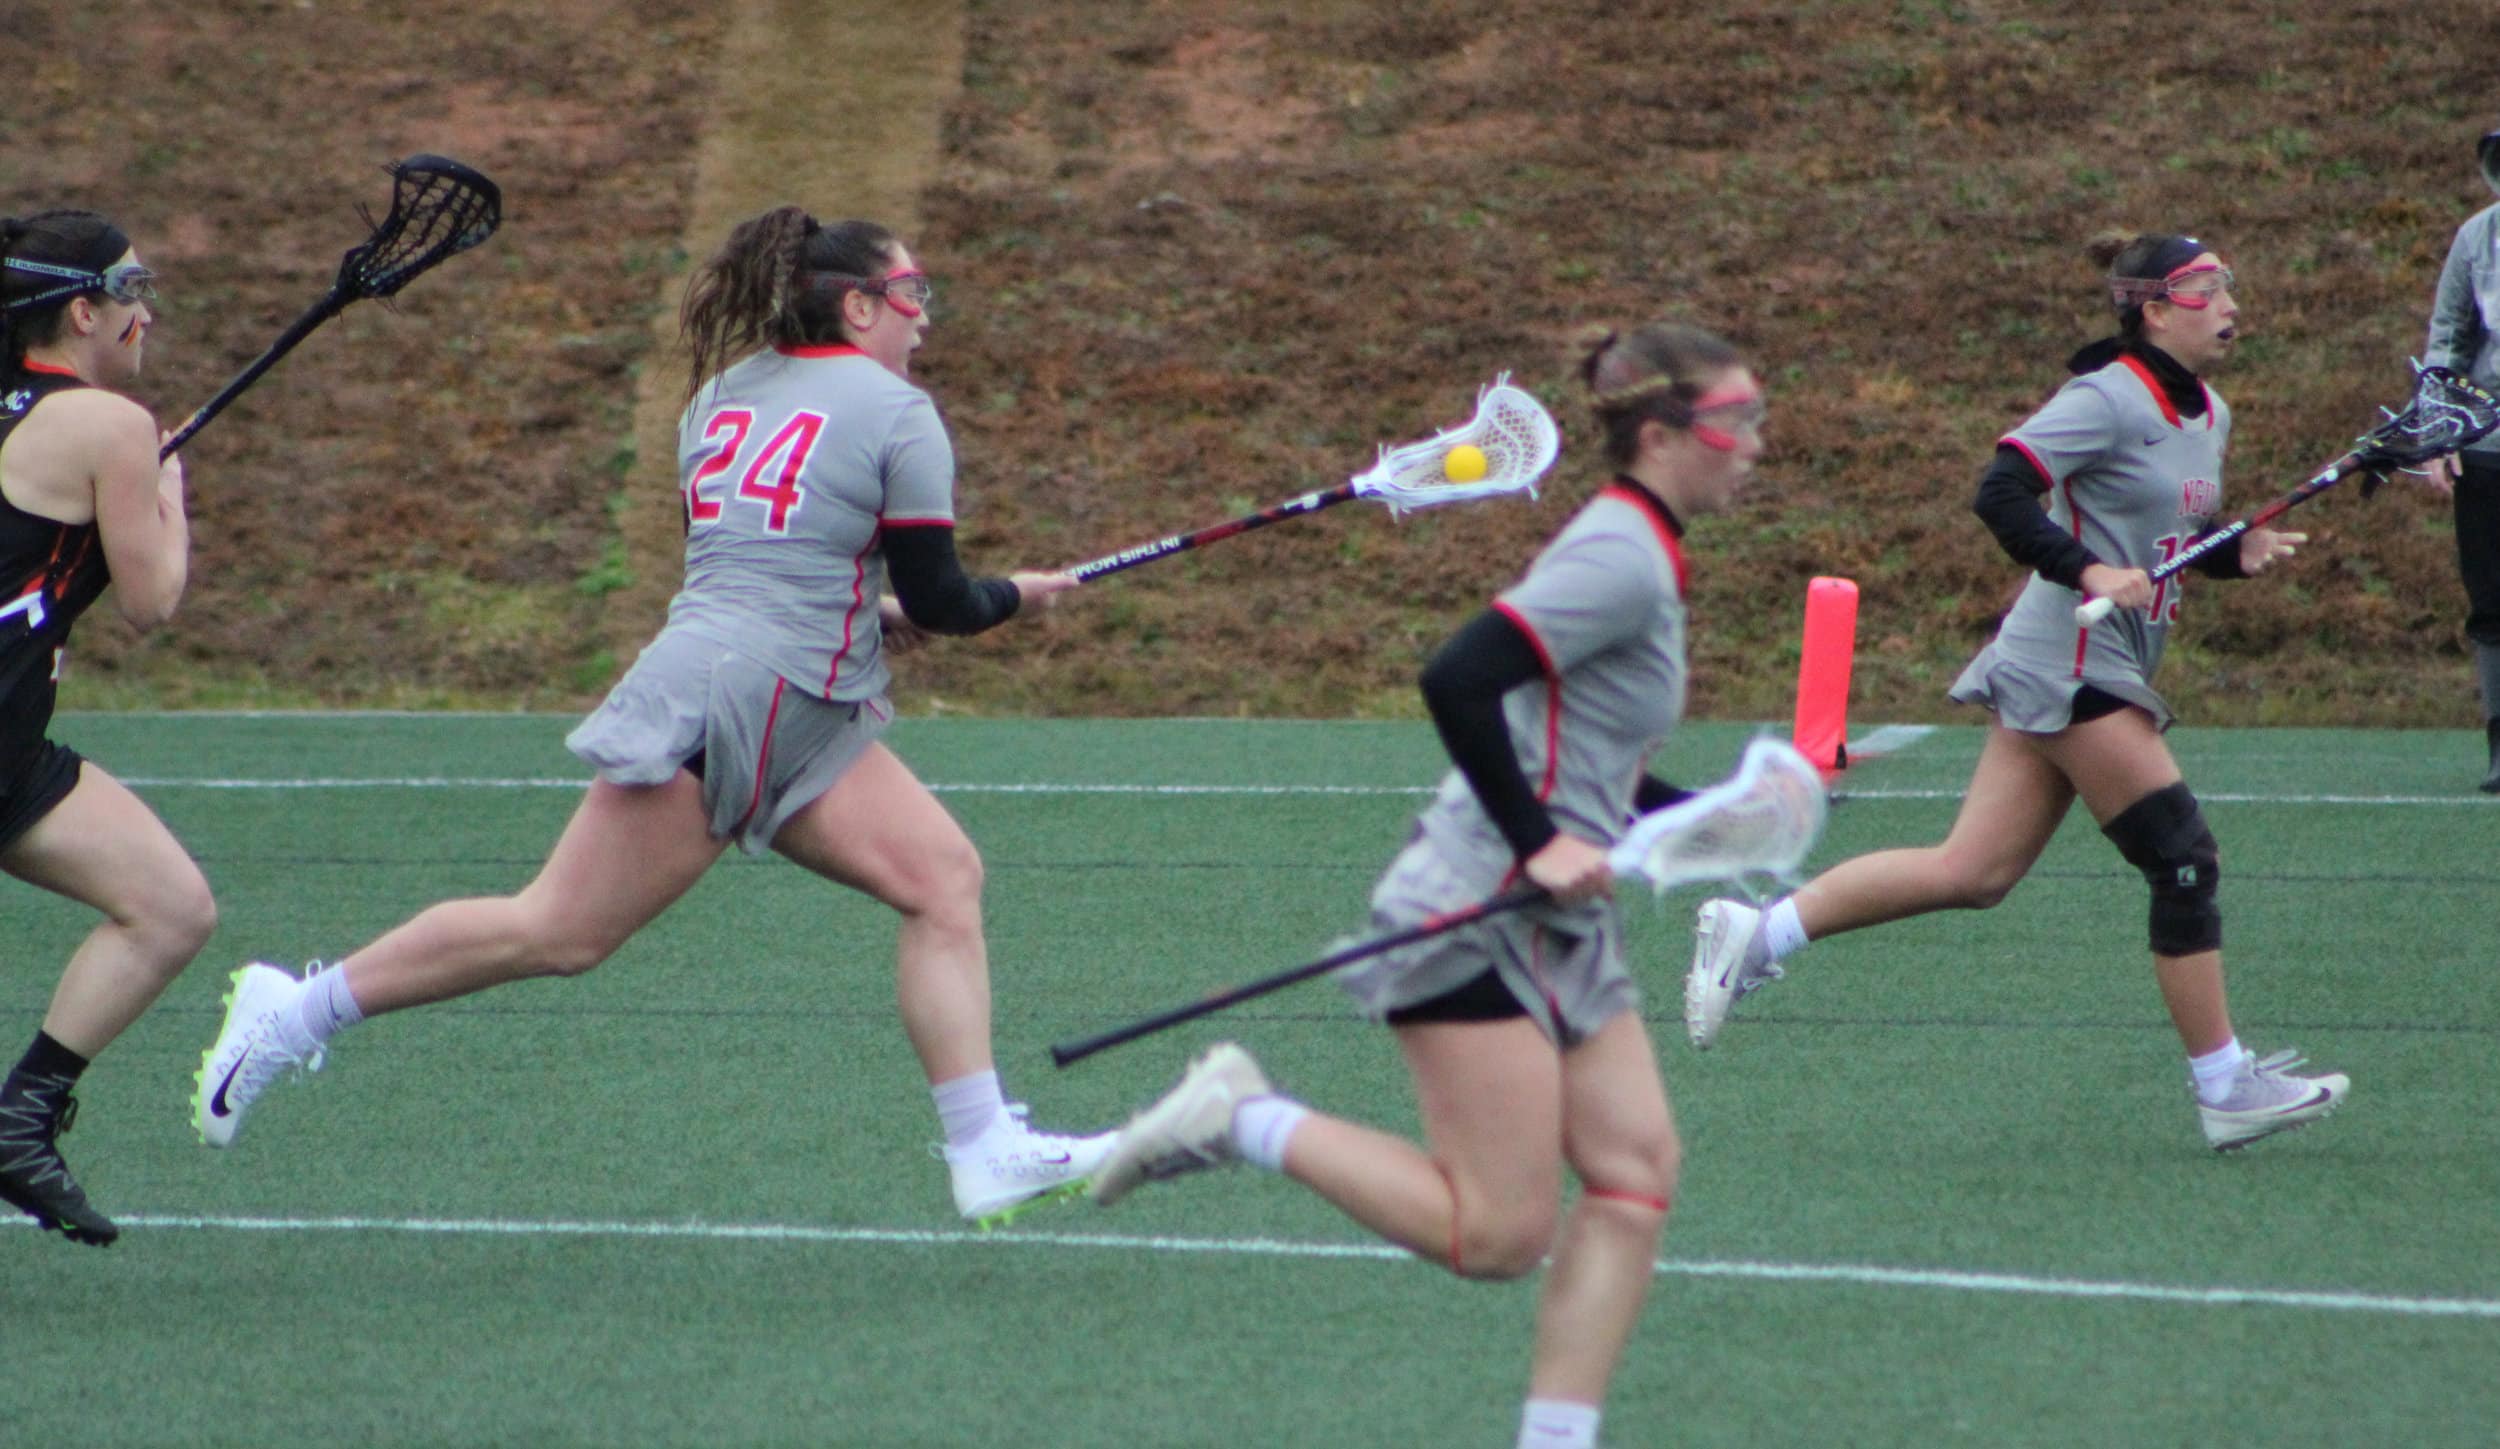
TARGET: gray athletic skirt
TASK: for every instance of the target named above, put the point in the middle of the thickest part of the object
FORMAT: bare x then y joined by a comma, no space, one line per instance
1564,965
2042,704
766,748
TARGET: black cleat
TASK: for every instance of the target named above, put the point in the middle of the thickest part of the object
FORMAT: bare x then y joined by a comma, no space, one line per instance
33,1178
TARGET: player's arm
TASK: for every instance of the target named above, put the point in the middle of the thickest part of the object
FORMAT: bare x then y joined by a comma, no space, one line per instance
139,509
2456,328
935,593
2008,502
1463,686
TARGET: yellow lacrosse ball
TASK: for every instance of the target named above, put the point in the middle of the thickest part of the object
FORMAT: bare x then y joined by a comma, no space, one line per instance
1463,464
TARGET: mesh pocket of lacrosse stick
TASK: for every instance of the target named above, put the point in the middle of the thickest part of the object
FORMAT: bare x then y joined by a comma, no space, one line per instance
439,208
1515,432
2447,412
1754,828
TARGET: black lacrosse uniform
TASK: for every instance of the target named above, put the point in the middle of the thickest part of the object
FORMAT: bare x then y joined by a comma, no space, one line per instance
49,573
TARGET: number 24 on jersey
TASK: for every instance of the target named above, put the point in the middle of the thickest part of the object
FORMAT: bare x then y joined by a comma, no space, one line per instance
770,480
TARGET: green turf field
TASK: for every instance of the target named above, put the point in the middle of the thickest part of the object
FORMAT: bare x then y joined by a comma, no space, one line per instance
1943,1186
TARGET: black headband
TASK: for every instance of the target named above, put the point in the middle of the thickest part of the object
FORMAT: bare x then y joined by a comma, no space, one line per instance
44,276
2142,282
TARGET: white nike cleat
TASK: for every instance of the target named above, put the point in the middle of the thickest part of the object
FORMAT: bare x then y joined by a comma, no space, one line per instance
1012,1167
249,1054
1723,937
1189,1129
2265,1098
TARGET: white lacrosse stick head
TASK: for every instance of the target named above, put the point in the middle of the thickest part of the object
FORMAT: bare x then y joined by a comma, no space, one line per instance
1756,826
1513,430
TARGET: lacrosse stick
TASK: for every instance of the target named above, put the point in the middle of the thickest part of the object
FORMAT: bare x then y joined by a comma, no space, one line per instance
2446,413
1511,430
438,208
1757,825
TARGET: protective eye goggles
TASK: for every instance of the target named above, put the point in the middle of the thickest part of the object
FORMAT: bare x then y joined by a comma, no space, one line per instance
908,292
123,282
1724,419
2193,286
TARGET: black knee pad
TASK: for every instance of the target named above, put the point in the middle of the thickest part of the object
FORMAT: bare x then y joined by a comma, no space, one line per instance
2164,836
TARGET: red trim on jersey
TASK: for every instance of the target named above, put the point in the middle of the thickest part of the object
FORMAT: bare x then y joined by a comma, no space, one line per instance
1637,1199
850,616
1670,537
763,757
817,349
2018,445
46,368
1553,697
1519,621
891,522
2082,636
2161,399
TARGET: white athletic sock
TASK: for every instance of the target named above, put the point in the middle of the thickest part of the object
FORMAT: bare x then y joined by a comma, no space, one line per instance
1558,1424
2215,1070
324,1007
1262,1126
1782,934
966,1106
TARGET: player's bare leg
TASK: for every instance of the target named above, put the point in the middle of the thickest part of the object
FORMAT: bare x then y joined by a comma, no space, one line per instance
1619,1136
629,852
2016,798
881,832
102,847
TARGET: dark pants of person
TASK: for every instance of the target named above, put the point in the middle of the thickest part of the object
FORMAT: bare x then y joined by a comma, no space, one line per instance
2478,546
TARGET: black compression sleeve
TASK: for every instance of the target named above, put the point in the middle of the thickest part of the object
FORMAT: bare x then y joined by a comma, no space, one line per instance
1651,793
2009,503
2222,563
934,590
1463,687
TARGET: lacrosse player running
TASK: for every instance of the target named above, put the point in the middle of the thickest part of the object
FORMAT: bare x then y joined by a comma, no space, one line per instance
83,503
1522,1032
813,472
2130,451
2463,340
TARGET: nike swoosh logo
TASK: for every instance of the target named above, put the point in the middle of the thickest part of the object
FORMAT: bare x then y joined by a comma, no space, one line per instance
2155,439
217,1103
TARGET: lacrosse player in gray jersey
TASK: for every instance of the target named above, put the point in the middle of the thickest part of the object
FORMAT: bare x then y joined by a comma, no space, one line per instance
2465,339
814,474
1522,1032
2128,456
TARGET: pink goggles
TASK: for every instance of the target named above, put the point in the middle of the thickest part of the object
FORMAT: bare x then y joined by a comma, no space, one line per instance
1723,419
2193,286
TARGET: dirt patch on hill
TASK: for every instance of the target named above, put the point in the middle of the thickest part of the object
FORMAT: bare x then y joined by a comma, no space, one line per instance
1197,258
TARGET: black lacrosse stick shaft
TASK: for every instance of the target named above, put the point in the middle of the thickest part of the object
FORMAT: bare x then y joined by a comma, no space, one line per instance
2396,443
426,191
1067,1053
322,311
1129,558
2229,534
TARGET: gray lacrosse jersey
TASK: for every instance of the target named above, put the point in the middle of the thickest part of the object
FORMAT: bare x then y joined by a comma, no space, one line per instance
2136,482
791,463
1604,607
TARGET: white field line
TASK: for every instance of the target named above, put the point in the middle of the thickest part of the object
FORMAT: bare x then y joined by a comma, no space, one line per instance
1857,1275
475,782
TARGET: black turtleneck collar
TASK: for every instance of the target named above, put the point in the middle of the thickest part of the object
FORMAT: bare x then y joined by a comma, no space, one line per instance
1674,524
2184,389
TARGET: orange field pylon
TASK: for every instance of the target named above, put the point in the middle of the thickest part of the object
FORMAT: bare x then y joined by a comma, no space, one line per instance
1831,645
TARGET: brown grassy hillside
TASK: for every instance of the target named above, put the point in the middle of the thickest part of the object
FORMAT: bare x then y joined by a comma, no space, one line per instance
1199,256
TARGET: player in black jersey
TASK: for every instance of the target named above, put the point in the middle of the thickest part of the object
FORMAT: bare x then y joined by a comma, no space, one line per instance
83,503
